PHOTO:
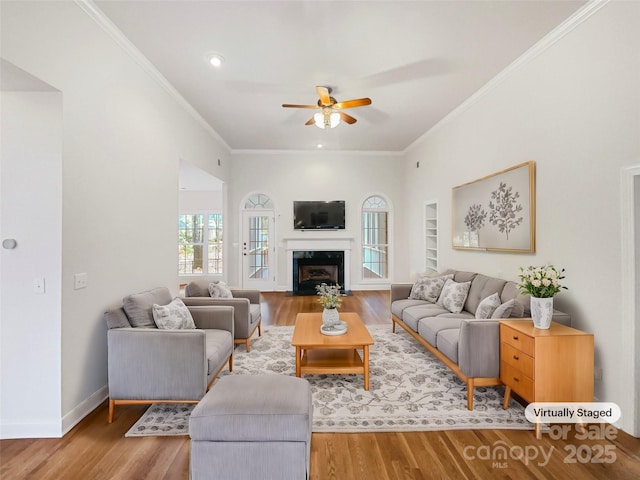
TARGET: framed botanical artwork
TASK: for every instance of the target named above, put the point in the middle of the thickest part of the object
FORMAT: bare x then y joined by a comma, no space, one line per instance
496,212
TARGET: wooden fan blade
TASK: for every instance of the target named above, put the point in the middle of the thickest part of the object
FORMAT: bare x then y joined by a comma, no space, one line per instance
360,102
289,105
347,118
311,121
323,93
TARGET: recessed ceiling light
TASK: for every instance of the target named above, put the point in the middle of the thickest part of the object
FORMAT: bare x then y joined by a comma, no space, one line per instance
216,59
319,145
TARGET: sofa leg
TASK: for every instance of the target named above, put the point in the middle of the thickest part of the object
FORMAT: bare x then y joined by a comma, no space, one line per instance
248,344
393,326
112,408
470,393
260,329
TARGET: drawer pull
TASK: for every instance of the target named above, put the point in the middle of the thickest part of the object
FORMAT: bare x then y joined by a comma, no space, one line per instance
516,379
516,357
515,337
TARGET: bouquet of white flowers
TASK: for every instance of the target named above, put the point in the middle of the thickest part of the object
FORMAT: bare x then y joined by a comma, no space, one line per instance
329,295
541,282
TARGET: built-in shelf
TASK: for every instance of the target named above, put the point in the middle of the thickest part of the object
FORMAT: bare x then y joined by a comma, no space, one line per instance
431,236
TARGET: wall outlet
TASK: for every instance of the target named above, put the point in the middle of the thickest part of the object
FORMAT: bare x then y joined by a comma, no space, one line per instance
79,281
597,373
38,285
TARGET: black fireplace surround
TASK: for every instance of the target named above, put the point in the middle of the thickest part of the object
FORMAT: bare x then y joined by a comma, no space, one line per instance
311,268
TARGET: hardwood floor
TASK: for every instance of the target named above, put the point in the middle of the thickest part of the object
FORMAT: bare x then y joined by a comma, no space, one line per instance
97,450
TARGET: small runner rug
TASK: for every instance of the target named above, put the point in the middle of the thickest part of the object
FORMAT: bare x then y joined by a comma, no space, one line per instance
410,390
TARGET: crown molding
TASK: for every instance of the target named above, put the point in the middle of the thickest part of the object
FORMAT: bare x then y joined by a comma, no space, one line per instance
542,45
319,151
123,42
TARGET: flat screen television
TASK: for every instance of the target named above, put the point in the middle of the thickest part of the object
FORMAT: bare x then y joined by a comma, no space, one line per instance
318,215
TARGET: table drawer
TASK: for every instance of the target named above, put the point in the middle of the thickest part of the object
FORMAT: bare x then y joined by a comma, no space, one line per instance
517,339
519,383
517,359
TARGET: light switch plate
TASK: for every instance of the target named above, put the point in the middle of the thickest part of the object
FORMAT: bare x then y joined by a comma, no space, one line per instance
79,281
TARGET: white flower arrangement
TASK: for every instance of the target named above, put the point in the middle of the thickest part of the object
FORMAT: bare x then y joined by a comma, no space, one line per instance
541,282
329,295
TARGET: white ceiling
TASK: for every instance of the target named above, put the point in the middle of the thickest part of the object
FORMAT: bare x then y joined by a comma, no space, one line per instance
416,60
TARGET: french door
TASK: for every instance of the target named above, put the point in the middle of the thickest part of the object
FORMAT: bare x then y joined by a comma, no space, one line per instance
258,250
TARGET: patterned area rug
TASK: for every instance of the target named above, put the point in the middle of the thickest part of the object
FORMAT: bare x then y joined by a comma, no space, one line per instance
410,390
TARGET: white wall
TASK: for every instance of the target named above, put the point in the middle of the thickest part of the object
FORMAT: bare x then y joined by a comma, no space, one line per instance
574,110
30,323
123,135
289,176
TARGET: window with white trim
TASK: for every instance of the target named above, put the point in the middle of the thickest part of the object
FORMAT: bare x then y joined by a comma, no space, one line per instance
375,238
200,244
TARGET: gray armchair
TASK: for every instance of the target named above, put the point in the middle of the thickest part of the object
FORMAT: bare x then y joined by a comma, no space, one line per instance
245,302
150,365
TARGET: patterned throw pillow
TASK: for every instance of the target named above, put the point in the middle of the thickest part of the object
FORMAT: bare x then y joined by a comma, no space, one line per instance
454,295
219,290
504,310
487,306
428,288
174,316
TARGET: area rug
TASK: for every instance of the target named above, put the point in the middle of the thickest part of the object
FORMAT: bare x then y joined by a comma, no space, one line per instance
410,390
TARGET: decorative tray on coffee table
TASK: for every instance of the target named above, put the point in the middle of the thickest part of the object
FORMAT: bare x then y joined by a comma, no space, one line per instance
338,329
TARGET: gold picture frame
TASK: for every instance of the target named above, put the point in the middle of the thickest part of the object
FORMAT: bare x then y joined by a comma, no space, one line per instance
496,212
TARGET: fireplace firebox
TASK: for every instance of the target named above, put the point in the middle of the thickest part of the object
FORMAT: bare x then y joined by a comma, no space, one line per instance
311,268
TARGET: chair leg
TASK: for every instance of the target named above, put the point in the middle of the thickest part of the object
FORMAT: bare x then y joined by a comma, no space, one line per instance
231,362
112,408
248,344
470,393
260,328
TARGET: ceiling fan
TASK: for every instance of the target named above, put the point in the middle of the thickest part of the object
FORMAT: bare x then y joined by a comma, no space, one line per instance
329,114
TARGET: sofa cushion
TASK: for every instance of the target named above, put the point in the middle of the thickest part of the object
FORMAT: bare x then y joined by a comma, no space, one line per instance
504,310
454,295
428,288
464,276
116,319
428,328
218,347
511,291
447,343
412,315
399,306
197,289
173,316
219,290
487,306
138,306
481,287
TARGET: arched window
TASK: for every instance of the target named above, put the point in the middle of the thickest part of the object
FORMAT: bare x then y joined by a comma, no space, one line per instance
258,201
375,238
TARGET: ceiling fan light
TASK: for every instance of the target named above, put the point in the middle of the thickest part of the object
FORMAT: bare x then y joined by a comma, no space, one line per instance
319,119
334,119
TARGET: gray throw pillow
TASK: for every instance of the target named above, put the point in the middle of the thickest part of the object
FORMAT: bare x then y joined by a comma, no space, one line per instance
487,306
138,306
219,290
174,316
504,310
428,288
454,295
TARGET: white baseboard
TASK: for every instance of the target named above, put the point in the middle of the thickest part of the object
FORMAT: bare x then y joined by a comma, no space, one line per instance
74,417
30,430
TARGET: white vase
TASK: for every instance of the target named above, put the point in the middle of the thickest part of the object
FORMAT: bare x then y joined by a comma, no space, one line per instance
541,312
330,317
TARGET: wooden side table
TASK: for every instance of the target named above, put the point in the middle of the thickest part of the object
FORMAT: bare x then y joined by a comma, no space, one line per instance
554,365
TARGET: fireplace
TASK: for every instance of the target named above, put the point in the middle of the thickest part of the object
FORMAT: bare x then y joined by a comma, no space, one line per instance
311,268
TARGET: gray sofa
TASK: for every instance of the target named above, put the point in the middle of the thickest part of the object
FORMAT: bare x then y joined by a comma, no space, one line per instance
470,347
246,304
151,365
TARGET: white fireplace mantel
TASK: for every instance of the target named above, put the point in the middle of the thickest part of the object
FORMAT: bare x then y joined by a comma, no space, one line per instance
316,243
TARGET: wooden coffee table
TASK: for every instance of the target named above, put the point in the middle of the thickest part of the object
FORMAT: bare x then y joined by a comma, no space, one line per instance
336,354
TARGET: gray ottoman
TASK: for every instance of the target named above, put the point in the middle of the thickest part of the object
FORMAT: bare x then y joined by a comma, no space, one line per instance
252,427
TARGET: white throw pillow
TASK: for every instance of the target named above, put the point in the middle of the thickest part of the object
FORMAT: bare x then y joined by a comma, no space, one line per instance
219,290
487,306
428,288
454,295
504,310
174,316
